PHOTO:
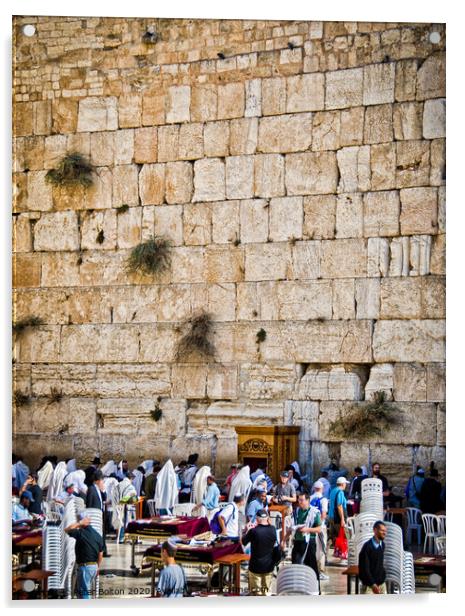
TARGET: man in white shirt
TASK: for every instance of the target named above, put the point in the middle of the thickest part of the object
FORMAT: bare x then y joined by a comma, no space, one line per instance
321,503
20,512
228,518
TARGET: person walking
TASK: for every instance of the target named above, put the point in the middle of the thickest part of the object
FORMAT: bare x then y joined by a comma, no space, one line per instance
371,562
307,527
337,513
321,503
172,581
263,539
89,554
413,489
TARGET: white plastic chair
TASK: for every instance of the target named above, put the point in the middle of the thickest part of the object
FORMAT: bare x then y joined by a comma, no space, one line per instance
183,509
408,575
151,505
431,526
414,524
440,545
296,580
442,525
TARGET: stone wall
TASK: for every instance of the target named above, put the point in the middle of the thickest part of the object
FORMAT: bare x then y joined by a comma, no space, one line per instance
298,169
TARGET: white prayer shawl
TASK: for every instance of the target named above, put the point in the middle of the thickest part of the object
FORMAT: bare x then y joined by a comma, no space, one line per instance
199,486
20,473
148,466
71,465
56,482
77,479
296,466
256,474
166,490
137,481
241,483
110,484
109,468
44,475
258,479
188,475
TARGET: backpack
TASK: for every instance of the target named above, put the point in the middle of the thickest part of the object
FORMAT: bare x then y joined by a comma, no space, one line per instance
215,525
317,503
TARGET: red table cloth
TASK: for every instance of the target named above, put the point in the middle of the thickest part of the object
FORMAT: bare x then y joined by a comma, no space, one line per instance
199,554
182,525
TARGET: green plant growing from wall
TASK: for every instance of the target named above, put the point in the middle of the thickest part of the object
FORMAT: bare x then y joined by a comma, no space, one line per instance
156,413
23,324
366,420
20,398
72,170
100,237
197,337
150,257
261,336
122,208
55,396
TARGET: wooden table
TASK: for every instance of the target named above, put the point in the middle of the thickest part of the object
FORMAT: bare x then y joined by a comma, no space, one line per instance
233,563
352,572
434,564
28,544
36,575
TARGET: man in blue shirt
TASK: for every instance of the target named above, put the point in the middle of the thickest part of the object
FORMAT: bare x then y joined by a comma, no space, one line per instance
258,503
172,580
20,513
337,513
212,497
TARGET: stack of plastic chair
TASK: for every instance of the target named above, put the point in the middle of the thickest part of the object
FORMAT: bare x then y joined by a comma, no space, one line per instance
363,531
151,505
183,509
442,525
408,575
68,546
372,497
350,534
394,556
440,546
52,542
414,524
296,580
431,526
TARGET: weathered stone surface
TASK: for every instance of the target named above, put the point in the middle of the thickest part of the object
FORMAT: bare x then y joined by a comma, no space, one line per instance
433,297
267,261
413,163
168,223
305,92
319,217
41,117
349,215
231,101
93,224
409,382
381,213
436,382
56,231
438,163
344,88
239,177
305,415
209,180
351,128
197,222
285,133
434,118
124,147
254,221
145,145
326,131
273,96
431,77
129,110
152,184
96,343
367,298
311,173
406,80
400,298
354,169
299,301
39,192
269,175
188,264
243,136
189,381
178,104
222,382
418,210
383,166
409,340
190,145
343,299
330,384
253,98
224,264
178,182
381,380
203,103
286,218
153,109
216,138
22,236
168,141
408,120
378,83
97,114
378,124
40,345
64,115
125,185
306,260
225,221
343,258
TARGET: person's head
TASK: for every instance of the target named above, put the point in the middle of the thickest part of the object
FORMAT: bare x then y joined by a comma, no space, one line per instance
420,472
304,500
239,499
290,469
182,465
262,485
96,462
341,483
124,465
284,477
379,530
33,479
434,473
261,495
141,469
26,499
156,469
318,487
324,474
262,517
357,471
192,459
211,480
98,480
69,487
376,469
168,552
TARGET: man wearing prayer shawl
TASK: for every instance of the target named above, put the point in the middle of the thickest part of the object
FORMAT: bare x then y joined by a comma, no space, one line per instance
166,490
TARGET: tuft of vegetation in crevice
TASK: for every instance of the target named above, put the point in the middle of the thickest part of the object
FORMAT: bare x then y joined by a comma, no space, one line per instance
122,208
100,237
150,257
197,337
72,170
366,419
55,396
261,336
20,398
156,413
30,321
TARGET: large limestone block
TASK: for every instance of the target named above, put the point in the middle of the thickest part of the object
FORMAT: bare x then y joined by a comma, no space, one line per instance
406,80
189,381
413,163
409,340
378,124
408,120
57,231
438,164
367,298
345,258
381,379
343,299
285,133
326,131
127,380
267,261
305,92
224,264
436,382
188,264
82,416
227,415
190,145
273,96
410,382
97,113
42,117
209,180
431,78
303,414
286,218
351,131
418,211
39,192
225,221
153,109
178,182
306,260
40,345
49,304
378,83
171,303
434,118
254,220
178,104
222,382
319,217
145,145
353,164
381,213
253,98
129,110
96,343
26,270
40,153
197,222
64,115
204,102
300,301
168,142
239,177
22,119
121,415
58,270
400,298
269,175
344,88
378,257
124,147
349,215
97,268
152,184
129,227
102,152
243,137
330,384
433,297
216,137
93,224
311,173
383,166
438,255
22,234
417,424
441,425
273,381
125,185
222,301
231,101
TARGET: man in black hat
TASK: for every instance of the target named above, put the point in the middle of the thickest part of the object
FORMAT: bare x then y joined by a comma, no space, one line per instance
90,470
262,539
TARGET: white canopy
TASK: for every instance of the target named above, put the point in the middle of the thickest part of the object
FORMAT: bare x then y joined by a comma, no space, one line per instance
166,491
199,487
241,483
56,482
44,475
109,468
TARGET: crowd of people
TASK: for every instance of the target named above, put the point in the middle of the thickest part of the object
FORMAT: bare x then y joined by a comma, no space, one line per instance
312,514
